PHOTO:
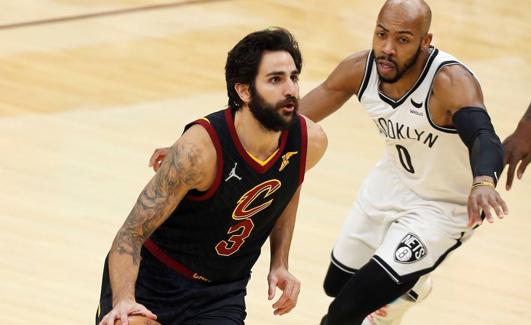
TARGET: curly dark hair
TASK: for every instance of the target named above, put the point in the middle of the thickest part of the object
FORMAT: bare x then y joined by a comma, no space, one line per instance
244,58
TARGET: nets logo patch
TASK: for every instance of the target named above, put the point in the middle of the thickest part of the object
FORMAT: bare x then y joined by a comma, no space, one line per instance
410,249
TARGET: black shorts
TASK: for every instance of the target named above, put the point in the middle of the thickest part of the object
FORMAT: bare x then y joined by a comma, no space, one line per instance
178,300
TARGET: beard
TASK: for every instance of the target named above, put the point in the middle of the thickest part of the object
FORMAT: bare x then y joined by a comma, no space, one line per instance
271,116
399,70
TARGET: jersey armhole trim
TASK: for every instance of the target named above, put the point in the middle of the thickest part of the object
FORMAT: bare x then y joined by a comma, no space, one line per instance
304,148
366,75
215,140
428,97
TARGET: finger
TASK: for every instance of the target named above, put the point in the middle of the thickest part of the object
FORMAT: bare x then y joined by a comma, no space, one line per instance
156,165
510,174
146,312
154,157
522,167
285,298
503,205
108,319
493,202
272,289
485,206
472,212
123,318
140,309
292,301
286,310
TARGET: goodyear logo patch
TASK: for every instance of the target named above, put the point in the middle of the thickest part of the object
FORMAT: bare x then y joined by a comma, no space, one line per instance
410,249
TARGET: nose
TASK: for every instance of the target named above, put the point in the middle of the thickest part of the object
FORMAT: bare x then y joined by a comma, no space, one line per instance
291,88
388,47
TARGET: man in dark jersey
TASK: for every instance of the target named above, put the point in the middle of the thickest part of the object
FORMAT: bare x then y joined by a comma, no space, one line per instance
232,180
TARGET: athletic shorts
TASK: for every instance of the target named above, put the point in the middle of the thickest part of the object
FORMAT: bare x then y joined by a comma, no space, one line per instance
178,300
406,235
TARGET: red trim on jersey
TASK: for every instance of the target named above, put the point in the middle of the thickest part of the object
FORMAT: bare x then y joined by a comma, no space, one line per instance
243,153
215,140
304,147
171,263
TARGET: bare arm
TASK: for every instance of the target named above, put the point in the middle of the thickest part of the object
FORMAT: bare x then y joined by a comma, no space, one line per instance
517,148
340,85
282,233
454,89
187,166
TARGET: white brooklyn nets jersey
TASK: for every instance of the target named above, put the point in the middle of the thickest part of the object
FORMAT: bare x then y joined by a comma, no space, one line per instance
430,160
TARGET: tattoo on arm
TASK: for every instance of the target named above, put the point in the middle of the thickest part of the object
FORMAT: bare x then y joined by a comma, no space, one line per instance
158,199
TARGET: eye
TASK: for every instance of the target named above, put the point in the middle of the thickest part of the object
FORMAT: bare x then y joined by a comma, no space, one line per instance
380,34
403,40
274,80
295,78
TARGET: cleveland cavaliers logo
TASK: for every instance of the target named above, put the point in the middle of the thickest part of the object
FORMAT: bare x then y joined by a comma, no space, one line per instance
410,249
245,209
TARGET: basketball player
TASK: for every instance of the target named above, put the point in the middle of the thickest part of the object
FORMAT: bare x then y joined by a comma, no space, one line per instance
517,148
185,252
439,171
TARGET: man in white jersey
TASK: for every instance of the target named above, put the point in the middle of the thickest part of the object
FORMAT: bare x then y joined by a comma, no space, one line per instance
439,171
441,165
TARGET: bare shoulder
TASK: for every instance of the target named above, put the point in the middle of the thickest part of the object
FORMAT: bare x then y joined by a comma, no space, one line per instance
194,155
455,87
317,143
348,75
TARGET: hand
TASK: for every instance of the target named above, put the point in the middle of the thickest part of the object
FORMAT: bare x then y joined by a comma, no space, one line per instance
290,287
157,157
485,198
517,149
123,309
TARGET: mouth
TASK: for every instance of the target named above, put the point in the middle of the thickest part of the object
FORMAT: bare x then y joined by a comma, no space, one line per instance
386,66
288,105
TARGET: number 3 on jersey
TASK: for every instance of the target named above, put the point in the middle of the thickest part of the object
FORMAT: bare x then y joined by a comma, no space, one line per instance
231,245
405,158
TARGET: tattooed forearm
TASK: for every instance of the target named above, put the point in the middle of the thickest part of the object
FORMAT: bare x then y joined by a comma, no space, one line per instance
179,172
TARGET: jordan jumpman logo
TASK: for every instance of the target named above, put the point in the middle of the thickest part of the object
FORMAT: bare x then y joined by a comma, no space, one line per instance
233,173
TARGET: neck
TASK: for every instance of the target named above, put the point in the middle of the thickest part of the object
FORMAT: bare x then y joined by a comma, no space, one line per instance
256,139
398,89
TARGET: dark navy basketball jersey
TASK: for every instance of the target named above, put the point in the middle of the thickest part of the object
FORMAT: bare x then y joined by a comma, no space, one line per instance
217,235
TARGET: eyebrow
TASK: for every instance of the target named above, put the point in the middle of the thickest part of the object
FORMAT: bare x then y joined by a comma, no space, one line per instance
399,32
281,73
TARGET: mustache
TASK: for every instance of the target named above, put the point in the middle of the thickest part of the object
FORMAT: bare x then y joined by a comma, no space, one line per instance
289,100
386,58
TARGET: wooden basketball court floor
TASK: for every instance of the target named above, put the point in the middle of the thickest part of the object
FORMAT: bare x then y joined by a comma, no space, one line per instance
85,98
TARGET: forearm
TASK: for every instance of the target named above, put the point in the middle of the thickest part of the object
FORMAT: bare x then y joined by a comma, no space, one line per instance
321,102
156,202
123,271
486,153
280,241
124,256
282,233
